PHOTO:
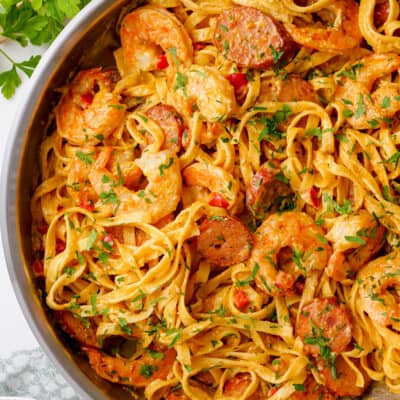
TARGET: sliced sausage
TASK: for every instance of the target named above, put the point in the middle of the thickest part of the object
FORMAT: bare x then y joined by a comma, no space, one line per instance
343,383
252,38
265,193
312,391
294,88
326,322
170,122
75,328
224,241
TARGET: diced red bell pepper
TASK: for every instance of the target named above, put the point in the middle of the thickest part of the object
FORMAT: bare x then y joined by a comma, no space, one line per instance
87,205
162,62
237,80
217,200
241,299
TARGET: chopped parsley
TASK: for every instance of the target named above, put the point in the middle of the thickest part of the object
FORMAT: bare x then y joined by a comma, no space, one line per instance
163,167
180,83
87,158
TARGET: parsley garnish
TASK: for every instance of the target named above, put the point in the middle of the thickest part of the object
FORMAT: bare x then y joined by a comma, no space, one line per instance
276,55
163,167
147,370
180,83
351,72
361,108
394,159
124,326
270,129
299,387
355,239
250,278
87,158
172,51
36,22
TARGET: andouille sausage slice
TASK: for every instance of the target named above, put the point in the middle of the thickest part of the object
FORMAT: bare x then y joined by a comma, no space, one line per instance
170,122
325,321
252,38
294,88
265,192
85,334
224,241
344,381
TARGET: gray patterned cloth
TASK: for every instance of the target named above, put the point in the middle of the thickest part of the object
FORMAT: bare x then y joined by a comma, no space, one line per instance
30,374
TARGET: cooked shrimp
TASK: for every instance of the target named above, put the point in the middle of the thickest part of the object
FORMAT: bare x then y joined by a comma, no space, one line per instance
356,239
312,391
78,186
379,283
342,382
122,164
294,88
369,98
85,334
224,241
286,246
89,110
149,31
327,320
139,372
119,162
345,33
161,195
215,179
205,89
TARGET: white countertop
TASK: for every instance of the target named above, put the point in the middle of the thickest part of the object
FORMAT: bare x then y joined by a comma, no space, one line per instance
15,333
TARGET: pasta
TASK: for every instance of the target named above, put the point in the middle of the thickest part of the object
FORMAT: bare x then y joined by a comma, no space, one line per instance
218,216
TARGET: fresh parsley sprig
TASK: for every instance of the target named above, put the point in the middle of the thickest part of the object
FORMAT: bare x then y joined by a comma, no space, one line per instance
31,21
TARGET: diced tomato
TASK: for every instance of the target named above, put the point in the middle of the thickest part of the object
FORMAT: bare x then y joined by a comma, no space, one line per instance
42,228
217,200
381,13
60,246
241,299
237,80
60,208
314,197
37,268
87,205
87,99
162,62
199,46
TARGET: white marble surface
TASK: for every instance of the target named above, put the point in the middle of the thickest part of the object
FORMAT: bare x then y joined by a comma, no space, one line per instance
15,333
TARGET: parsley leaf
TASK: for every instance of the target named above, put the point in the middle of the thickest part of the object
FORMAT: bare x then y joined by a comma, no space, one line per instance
37,22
